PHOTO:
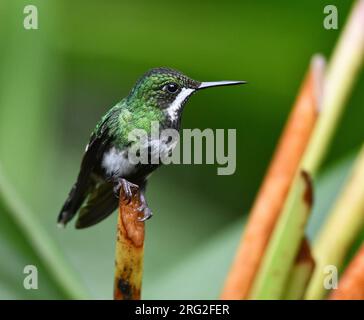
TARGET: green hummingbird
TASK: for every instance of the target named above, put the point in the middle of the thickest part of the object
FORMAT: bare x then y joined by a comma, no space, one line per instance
159,95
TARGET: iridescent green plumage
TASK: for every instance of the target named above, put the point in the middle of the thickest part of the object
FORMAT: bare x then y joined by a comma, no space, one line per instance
145,103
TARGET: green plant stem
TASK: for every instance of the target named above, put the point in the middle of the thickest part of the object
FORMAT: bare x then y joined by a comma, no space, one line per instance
340,230
300,274
342,72
286,239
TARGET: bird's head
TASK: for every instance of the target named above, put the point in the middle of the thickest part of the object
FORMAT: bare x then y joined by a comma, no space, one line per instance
168,90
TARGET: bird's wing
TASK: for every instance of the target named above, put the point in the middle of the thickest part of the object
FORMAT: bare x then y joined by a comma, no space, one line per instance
99,142
99,205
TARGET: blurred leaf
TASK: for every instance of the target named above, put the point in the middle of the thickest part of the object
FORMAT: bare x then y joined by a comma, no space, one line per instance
326,189
20,223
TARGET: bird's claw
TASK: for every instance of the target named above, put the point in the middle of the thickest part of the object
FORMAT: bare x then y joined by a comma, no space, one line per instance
127,189
128,195
147,213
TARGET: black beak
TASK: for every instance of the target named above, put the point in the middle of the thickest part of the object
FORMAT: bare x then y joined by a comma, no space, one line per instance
205,85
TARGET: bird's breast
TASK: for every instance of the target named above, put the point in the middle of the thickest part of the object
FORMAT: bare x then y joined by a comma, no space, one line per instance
116,163
120,163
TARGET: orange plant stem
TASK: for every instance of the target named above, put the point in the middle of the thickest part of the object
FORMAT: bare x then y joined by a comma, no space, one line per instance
274,190
129,251
351,285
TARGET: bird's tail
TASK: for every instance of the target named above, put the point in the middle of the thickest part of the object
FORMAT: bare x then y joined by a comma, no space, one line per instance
74,201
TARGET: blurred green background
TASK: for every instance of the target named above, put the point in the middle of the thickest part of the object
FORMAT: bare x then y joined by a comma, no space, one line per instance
57,81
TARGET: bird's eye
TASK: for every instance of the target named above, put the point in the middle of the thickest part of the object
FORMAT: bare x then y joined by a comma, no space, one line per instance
171,87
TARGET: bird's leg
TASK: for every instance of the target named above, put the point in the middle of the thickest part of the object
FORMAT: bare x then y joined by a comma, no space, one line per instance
127,187
144,207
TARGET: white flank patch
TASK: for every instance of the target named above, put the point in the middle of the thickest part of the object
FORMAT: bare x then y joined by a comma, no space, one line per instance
177,103
116,163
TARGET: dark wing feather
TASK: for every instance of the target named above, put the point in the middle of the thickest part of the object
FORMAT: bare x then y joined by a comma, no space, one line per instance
100,204
99,142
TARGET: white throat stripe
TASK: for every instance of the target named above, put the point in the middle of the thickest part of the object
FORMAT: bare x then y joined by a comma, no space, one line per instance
177,103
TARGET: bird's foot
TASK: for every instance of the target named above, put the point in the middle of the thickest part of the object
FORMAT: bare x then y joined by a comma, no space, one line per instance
147,213
127,189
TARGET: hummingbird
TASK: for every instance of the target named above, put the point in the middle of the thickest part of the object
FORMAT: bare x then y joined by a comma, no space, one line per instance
159,95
